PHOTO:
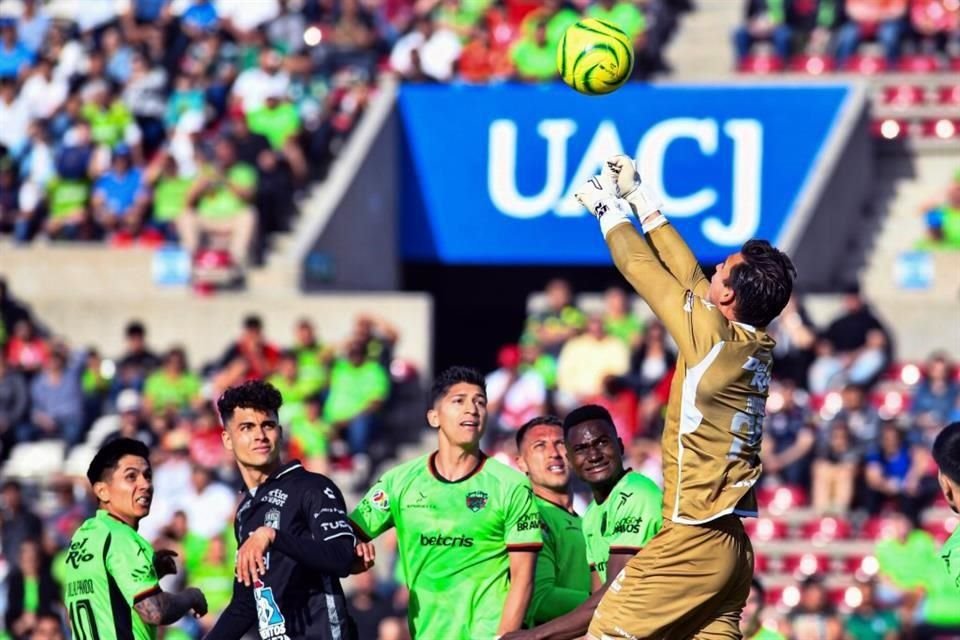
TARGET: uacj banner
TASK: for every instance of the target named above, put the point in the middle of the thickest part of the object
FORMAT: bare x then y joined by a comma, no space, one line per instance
488,173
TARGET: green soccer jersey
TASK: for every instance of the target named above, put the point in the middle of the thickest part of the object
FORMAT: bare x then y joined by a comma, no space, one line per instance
563,577
625,521
108,569
453,539
951,557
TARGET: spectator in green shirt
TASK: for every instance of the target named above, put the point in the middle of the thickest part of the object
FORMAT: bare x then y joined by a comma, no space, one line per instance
557,323
619,320
222,198
294,388
310,435
534,57
313,357
172,387
278,120
171,193
869,621
358,388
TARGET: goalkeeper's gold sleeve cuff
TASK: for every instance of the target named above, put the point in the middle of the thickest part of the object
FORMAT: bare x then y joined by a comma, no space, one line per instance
651,222
643,201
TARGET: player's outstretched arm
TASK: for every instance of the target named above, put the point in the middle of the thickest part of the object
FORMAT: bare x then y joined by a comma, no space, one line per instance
164,608
550,601
573,625
522,566
664,239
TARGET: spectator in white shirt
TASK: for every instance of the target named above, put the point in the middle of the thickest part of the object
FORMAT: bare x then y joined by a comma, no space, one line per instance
254,85
427,52
42,93
209,503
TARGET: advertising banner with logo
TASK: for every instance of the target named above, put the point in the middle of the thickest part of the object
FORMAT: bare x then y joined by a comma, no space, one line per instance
488,173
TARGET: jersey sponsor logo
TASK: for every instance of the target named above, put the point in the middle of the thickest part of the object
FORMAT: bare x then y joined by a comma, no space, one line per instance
761,372
276,497
530,521
272,519
333,526
420,502
380,500
476,500
270,621
441,540
145,573
77,588
329,493
78,553
628,524
323,510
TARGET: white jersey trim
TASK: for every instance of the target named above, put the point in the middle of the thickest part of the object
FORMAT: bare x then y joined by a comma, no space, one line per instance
690,415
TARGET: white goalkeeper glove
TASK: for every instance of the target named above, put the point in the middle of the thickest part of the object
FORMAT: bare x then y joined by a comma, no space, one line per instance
598,197
621,171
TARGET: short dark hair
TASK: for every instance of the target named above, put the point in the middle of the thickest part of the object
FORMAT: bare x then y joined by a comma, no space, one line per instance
946,451
552,421
253,394
586,413
763,282
253,322
109,456
455,375
135,328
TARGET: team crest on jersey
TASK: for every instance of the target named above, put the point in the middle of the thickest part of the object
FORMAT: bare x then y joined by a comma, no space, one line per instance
476,500
380,500
271,623
272,519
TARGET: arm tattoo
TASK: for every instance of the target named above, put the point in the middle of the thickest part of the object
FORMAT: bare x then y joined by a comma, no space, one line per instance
164,608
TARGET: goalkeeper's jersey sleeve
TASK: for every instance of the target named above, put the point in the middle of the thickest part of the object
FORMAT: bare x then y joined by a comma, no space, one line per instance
951,558
712,432
453,539
624,522
108,569
562,580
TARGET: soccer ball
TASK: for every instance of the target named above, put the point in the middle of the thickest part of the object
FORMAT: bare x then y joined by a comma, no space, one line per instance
594,57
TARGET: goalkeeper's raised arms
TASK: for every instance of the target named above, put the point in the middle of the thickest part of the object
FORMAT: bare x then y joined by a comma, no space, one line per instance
598,197
621,172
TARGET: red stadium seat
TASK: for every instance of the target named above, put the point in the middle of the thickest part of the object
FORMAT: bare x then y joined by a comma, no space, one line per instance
942,128
949,95
878,528
765,529
903,96
866,64
806,564
814,65
919,63
861,566
826,529
779,500
955,64
761,64
774,595
761,563
942,529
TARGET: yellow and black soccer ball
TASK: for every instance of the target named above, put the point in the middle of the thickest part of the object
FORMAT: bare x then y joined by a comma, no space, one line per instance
594,56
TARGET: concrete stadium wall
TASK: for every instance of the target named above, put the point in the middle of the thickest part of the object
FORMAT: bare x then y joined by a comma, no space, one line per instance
87,294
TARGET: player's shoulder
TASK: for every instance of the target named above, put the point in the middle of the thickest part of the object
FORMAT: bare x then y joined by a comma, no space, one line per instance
636,481
92,528
504,473
406,472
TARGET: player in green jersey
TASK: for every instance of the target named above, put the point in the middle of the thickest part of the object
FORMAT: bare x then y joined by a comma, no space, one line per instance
112,589
563,577
946,452
468,531
626,508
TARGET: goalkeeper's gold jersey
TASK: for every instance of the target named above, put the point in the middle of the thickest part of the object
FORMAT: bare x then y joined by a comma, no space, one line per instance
711,440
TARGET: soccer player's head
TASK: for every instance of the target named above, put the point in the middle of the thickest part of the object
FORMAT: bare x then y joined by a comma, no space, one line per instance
755,283
541,453
946,452
458,406
594,449
122,479
251,428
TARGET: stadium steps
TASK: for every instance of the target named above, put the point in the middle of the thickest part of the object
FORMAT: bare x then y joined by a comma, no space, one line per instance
702,47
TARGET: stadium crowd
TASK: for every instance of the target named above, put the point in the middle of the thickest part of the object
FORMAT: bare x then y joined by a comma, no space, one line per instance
833,32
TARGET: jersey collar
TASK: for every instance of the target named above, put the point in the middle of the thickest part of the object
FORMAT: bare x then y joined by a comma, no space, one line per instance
558,506
432,466
622,479
278,473
103,514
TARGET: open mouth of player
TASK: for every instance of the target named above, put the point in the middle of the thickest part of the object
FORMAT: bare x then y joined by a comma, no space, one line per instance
144,500
557,467
597,468
470,424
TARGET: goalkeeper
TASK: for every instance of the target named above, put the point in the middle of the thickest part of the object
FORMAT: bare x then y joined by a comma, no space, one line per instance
693,578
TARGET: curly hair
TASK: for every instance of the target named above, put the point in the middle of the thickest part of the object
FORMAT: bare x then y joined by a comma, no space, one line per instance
253,394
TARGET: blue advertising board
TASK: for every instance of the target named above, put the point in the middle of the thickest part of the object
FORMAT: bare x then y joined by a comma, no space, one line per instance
488,173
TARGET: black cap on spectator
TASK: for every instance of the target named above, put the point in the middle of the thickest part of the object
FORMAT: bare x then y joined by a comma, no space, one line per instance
553,421
110,455
586,413
946,451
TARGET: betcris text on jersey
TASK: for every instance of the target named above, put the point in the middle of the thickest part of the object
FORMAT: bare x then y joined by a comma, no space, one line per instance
730,164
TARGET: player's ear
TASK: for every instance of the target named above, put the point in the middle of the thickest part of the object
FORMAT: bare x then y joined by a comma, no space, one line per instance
948,491
522,464
620,443
101,491
433,418
226,439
